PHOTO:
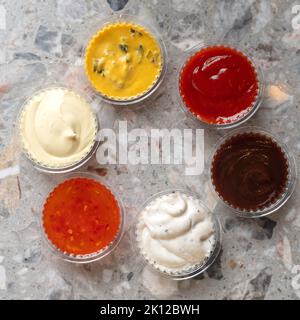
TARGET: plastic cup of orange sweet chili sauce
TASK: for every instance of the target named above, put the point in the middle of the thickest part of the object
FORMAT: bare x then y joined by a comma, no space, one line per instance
82,219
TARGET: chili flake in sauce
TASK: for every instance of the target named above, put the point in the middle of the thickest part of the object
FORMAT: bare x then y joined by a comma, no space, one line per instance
81,216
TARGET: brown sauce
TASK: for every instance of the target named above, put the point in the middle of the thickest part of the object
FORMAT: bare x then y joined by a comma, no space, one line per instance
249,171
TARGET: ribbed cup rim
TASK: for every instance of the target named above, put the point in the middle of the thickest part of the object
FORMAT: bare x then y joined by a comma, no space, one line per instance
92,257
192,271
252,109
291,178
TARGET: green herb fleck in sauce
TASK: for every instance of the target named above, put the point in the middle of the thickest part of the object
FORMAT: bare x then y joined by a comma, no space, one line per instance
135,32
123,47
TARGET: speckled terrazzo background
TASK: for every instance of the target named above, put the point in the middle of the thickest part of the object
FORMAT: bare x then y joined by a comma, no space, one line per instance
42,42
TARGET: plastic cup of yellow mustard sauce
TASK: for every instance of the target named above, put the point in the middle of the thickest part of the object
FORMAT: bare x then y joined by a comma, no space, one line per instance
125,60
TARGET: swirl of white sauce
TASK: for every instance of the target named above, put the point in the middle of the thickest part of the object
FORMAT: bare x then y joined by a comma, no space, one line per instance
175,232
58,127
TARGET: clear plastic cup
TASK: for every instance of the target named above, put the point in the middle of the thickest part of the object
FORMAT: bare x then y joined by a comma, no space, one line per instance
291,178
119,18
192,271
72,166
252,110
86,258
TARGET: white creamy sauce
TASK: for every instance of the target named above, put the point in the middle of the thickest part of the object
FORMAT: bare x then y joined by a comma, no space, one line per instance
58,127
175,232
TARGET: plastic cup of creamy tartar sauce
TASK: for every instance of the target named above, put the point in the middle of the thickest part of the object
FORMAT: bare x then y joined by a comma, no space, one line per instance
177,235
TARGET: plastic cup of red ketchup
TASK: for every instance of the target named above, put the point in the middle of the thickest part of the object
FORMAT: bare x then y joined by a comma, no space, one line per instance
220,86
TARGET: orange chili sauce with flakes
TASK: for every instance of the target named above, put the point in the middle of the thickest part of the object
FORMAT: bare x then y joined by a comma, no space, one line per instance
81,216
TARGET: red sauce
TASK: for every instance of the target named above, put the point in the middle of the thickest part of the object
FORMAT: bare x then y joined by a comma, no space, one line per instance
219,85
81,216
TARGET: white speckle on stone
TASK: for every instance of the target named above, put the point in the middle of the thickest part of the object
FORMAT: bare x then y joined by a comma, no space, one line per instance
293,216
2,17
130,116
286,140
2,278
107,275
79,62
292,40
136,181
290,216
174,176
22,271
125,285
285,229
11,171
2,57
270,252
57,287
263,16
184,285
211,199
121,288
277,98
158,285
186,43
30,233
124,268
18,258
284,252
117,290
238,291
296,222
71,11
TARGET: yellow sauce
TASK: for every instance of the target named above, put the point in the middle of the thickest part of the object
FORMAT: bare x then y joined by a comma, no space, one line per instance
123,61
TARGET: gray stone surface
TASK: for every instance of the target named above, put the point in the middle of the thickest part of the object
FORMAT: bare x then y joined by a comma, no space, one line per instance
42,42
